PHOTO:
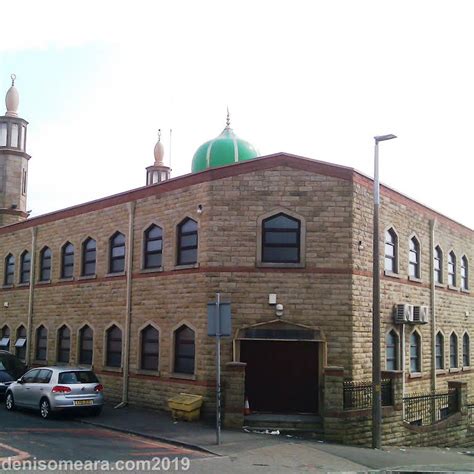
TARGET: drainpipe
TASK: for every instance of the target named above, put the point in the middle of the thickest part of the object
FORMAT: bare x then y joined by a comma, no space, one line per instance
432,304
128,307
28,357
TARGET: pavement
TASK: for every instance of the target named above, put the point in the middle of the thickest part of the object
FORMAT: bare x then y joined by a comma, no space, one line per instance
241,451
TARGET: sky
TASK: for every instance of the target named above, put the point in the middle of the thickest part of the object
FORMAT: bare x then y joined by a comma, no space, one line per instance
320,79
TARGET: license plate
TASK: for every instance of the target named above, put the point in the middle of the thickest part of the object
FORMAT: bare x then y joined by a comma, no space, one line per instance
83,402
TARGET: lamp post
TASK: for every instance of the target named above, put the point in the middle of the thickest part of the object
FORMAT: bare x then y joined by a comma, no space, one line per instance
376,371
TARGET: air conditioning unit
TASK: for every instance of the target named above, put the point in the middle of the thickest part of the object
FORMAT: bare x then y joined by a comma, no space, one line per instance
420,314
403,313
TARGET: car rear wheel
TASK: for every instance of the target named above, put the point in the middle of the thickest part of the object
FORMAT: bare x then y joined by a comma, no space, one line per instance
45,408
9,402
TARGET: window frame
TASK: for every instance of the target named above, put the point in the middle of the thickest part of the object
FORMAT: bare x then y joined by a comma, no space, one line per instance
464,273
25,267
44,267
439,354
392,258
142,345
60,349
82,350
9,276
414,258
86,260
452,280
438,272
108,343
396,350
67,269
5,333
453,351
181,248
415,359
20,351
466,350
112,259
150,253
178,354
280,245
44,338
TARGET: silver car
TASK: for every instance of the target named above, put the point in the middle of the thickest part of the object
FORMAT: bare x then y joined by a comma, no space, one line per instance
52,389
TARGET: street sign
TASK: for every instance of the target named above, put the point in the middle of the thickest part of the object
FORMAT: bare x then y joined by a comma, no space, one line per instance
225,319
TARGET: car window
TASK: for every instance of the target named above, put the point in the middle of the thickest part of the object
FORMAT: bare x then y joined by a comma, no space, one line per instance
77,376
44,376
30,376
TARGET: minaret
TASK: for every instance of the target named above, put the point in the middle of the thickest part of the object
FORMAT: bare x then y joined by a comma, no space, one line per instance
158,171
13,161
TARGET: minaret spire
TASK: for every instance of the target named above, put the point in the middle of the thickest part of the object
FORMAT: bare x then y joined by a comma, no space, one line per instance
158,171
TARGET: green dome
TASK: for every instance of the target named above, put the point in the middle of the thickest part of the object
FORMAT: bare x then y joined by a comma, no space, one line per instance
225,149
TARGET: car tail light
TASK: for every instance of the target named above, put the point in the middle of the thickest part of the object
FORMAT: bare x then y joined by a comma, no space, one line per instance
98,388
60,389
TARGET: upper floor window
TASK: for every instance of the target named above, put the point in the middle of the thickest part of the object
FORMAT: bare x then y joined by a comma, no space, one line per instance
391,251
3,133
89,253
453,351
45,264
464,273
64,344
438,264
415,352
25,267
20,344
451,269
414,258
67,260
439,351
153,247
117,253
5,338
114,347
86,345
9,270
281,239
184,350
466,350
392,350
41,343
187,242
150,348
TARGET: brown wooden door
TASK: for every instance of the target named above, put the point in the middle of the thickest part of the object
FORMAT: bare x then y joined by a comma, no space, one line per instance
281,376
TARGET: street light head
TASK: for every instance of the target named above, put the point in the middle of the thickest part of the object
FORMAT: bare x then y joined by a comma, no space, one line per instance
382,138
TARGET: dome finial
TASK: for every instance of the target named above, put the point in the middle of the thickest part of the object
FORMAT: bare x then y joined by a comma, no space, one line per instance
159,150
13,76
159,134
228,118
12,99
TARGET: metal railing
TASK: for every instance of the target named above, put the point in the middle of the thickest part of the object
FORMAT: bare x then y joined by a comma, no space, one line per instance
470,414
358,395
426,409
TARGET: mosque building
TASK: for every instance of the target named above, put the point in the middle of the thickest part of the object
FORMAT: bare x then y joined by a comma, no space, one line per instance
122,283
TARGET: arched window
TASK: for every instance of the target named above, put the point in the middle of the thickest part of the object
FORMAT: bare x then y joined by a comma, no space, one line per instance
25,267
391,251
67,260
117,253
281,235
89,253
152,247
86,345
5,338
439,351
464,273
452,269
20,344
453,351
392,351
45,264
414,258
184,350
9,270
150,348
466,350
187,242
114,347
41,343
438,264
64,344
415,352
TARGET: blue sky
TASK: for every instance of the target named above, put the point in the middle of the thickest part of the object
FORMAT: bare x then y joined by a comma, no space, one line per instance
309,77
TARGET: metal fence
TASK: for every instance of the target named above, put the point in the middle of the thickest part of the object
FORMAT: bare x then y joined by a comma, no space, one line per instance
426,409
470,414
358,395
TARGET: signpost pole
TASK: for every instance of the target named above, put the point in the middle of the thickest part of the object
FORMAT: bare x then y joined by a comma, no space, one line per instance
218,375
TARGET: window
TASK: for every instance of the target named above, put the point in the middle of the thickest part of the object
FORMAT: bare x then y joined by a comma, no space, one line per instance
67,260
9,270
438,265
5,338
392,350
25,267
45,264
453,351
14,135
187,242
89,252
23,182
150,348
153,247
414,258
64,344
30,377
391,251
439,351
451,269
117,253
466,352
184,348
44,376
20,344
281,239
114,347
41,343
3,134
464,274
415,352
86,344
